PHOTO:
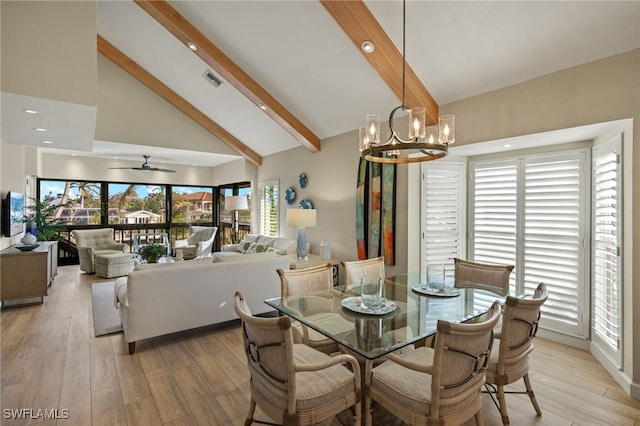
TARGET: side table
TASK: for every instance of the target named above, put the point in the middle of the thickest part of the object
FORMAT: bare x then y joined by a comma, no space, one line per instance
315,260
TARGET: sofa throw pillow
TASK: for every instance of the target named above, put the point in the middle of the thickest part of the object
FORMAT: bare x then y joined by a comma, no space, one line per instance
244,245
278,252
255,248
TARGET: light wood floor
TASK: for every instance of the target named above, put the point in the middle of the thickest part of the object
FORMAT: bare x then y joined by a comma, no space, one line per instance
50,360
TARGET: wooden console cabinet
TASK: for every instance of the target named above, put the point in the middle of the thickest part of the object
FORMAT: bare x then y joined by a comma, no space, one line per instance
26,275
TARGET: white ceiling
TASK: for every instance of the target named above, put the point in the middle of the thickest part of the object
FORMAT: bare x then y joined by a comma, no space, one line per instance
296,51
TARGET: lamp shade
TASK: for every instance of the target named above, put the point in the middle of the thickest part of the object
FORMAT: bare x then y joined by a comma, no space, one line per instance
302,217
236,202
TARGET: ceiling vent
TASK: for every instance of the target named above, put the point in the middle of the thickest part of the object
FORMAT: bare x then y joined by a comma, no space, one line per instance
212,78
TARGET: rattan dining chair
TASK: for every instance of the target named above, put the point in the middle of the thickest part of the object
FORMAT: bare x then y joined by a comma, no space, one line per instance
294,384
514,342
487,276
314,281
440,385
354,270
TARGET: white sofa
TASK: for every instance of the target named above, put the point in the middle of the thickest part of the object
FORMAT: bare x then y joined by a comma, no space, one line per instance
158,299
254,243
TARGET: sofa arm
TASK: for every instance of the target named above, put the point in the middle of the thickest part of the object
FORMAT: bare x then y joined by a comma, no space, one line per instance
230,247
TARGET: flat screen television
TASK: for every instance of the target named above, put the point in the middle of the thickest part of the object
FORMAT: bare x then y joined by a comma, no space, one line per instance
13,214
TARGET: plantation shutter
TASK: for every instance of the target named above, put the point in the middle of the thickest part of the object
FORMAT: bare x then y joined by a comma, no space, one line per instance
554,227
269,217
494,197
531,213
442,217
607,240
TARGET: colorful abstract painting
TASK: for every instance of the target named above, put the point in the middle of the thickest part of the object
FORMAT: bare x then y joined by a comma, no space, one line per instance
362,208
389,213
375,211
374,224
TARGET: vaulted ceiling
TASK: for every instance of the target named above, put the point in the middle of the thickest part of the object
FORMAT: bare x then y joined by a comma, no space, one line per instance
293,72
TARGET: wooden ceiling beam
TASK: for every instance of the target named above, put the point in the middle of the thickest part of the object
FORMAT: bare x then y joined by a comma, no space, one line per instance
110,52
184,31
359,24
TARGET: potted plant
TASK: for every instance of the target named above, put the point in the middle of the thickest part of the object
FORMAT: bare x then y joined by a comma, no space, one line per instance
152,252
41,217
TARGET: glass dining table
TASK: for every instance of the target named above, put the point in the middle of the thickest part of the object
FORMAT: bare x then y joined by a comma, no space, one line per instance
409,312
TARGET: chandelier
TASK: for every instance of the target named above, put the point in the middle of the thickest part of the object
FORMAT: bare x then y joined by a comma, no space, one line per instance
423,143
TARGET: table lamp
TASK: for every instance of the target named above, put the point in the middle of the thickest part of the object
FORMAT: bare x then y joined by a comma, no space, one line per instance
235,203
302,218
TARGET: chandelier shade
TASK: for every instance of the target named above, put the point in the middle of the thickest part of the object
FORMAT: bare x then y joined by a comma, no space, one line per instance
422,143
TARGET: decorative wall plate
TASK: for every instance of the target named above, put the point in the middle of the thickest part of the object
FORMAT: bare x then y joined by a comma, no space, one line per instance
306,204
303,180
290,195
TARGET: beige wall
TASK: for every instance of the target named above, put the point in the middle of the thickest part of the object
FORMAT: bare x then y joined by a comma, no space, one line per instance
49,50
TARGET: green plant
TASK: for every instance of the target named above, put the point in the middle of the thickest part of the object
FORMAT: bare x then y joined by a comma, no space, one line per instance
43,216
152,252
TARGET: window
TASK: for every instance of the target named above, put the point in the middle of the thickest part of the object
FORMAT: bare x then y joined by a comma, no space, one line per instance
607,240
442,213
137,203
269,207
531,212
191,204
78,201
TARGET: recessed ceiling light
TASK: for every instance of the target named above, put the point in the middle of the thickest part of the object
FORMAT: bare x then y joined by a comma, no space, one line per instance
367,46
40,129
47,142
507,145
115,158
30,111
73,155
262,107
192,46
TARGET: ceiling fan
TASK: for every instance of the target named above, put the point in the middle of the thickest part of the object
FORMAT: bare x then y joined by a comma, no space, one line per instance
147,167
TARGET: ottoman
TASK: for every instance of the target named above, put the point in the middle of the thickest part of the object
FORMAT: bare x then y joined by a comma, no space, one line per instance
114,264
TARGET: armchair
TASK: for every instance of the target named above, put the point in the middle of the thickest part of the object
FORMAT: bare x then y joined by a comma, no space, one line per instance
509,361
92,242
199,243
440,385
294,384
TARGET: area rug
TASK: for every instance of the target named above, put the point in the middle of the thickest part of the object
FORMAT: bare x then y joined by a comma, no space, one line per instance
106,319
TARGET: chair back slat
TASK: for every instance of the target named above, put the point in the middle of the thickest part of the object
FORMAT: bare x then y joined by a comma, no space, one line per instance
355,270
491,277
314,281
